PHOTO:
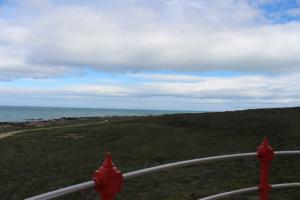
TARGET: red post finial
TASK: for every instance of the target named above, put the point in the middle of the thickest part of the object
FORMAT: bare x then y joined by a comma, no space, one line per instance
108,160
265,154
108,179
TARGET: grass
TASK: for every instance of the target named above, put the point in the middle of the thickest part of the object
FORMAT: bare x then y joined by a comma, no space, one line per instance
40,161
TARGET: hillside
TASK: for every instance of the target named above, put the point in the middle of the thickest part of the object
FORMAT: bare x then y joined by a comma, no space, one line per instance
39,161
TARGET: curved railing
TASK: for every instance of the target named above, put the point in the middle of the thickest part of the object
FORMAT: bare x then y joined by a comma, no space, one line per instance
129,175
247,190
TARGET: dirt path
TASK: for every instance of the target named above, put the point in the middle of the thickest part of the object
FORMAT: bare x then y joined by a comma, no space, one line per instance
7,134
10,133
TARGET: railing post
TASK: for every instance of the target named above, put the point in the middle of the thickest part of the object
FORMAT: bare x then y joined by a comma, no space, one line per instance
265,154
108,179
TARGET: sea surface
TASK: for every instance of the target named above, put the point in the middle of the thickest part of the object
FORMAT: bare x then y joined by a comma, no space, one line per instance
26,113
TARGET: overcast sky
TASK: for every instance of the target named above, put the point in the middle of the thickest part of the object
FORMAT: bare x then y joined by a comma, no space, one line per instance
160,54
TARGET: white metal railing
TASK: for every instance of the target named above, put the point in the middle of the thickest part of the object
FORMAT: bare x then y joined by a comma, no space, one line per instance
64,191
247,190
129,175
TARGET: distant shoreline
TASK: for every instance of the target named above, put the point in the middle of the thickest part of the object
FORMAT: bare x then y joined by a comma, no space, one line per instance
22,114
137,113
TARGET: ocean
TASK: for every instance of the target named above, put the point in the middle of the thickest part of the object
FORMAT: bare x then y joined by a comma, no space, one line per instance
27,113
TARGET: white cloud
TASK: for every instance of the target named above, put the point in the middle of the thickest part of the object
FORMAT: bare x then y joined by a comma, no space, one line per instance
13,65
191,91
137,35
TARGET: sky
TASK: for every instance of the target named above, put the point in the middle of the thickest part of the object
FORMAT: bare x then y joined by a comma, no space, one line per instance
198,55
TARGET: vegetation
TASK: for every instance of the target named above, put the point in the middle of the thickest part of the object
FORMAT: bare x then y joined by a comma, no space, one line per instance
35,162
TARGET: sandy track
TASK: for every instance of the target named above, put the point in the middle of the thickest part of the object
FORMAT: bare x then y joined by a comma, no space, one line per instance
11,133
7,134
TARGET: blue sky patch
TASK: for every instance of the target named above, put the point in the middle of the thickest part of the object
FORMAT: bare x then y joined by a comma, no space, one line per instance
282,11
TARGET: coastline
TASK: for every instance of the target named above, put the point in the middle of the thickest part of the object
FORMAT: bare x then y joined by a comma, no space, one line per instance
11,128
35,114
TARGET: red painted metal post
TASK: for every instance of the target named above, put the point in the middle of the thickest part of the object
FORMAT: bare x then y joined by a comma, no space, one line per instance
108,179
265,154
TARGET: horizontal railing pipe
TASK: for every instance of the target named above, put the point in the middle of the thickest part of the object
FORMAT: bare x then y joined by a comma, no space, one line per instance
197,161
279,153
129,175
64,191
230,193
184,164
248,190
286,185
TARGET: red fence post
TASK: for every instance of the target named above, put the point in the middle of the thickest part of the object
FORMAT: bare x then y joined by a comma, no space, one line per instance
265,154
108,179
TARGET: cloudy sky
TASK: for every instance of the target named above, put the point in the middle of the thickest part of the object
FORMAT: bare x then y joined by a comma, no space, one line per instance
160,54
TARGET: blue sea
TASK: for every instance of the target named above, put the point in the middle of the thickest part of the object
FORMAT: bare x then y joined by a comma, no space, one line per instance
26,113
